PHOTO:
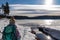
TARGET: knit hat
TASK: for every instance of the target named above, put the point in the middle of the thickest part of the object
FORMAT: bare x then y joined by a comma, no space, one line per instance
12,20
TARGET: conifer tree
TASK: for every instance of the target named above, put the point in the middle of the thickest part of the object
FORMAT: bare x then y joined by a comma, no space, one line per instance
7,8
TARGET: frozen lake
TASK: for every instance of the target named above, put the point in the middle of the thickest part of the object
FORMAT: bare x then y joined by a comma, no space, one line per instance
54,24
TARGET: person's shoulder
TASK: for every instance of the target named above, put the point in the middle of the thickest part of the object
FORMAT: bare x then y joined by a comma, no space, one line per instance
7,26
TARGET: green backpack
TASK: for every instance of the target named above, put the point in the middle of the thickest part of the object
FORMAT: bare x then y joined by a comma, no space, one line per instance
9,33
8,29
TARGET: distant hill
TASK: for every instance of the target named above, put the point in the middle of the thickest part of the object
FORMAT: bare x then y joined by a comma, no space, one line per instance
36,17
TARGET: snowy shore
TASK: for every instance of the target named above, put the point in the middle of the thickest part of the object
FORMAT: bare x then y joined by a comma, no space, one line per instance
22,29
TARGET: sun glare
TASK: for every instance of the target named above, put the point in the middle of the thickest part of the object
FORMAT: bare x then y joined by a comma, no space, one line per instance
48,4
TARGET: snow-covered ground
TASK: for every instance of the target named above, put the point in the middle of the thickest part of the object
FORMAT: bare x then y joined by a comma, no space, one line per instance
25,30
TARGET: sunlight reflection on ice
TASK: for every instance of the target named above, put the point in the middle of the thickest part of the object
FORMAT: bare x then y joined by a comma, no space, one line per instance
48,22
49,38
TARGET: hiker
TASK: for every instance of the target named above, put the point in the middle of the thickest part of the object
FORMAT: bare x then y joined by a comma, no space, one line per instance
10,32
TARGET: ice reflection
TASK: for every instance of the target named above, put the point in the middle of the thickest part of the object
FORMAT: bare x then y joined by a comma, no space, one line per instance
48,22
48,37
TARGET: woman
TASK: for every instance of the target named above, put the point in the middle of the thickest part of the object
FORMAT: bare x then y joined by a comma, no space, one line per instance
10,31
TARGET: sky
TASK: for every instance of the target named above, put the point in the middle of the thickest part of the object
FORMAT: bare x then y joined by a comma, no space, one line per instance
56,2
23,1
32,2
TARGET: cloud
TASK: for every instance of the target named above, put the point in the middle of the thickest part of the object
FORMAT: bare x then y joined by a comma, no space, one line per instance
35,7
33,10
19,6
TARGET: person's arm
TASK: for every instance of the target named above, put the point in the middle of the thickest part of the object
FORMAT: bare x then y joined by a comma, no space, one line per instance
17,34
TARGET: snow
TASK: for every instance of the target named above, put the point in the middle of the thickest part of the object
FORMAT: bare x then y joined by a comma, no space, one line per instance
3,23
25,31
